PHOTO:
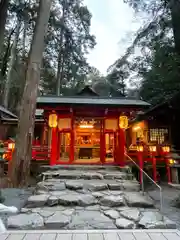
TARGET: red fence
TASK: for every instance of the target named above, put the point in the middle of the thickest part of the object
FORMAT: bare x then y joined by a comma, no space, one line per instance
41,153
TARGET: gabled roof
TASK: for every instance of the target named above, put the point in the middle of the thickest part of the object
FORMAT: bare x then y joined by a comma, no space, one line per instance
87,91
88,96
51,100
6,112
160,108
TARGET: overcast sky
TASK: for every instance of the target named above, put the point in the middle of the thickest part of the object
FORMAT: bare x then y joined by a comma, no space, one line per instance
112,21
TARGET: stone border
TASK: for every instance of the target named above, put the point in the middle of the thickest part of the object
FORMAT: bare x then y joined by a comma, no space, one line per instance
92,231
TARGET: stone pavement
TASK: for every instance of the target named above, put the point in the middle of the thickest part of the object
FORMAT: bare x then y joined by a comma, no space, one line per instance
92,235
91,197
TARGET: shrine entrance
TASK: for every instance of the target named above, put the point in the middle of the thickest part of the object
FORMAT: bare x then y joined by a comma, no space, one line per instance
110,140
64,141
87,140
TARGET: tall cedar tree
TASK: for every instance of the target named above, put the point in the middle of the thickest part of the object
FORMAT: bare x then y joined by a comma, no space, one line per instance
20,167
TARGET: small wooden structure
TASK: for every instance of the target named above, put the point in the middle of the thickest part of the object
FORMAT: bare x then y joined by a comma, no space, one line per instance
4,115
86,128
159,128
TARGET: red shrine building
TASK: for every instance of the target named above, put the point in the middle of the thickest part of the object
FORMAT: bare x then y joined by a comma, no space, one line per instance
85,128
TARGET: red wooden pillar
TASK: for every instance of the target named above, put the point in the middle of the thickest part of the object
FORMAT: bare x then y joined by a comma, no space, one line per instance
121,146
58,146
72,143
115,148
154,168
141,165
168,169
102,142
53,158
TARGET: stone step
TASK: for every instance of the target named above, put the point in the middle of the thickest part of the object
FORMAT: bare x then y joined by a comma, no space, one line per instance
90,174
83,197
88,198
84,186
72,210
89,218
84,167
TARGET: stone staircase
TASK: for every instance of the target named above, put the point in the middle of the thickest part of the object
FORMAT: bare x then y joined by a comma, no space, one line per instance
88,197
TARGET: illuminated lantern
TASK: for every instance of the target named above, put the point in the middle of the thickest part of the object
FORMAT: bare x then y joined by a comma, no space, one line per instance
166,149
171,161
140,148
53,120
152,148
11,146
123,122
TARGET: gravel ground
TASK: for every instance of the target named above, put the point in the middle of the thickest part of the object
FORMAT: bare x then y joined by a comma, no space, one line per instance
14,197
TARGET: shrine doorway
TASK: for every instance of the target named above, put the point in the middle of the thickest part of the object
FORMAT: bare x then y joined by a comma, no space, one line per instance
87,140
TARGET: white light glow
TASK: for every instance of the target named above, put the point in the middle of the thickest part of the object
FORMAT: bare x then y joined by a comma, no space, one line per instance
86,126
136,128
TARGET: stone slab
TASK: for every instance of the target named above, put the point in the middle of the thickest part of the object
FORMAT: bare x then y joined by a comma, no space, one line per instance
51,186
77,199
131,214
123,223
74,185
57,221
112,201
130,186
134,199
96,186
112,214
25,221
37,200
52,200
91,219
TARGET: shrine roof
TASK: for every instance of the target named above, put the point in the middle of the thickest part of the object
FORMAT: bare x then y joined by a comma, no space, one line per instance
6,112
79,100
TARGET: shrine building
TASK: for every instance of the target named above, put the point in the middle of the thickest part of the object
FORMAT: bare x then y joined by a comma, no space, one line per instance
85,128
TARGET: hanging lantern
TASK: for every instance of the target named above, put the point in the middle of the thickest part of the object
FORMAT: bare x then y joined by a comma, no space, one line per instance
11,146
152,148
140,148
166,149
123,122
53,120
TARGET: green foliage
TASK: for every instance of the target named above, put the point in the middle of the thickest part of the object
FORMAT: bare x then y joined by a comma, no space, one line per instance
66,46
158,65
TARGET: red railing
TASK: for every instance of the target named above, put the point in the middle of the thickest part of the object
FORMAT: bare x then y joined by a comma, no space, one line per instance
41,153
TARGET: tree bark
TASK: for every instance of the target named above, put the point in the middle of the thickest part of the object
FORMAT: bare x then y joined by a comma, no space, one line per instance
60,55
175,15
11,65
20,167
3,15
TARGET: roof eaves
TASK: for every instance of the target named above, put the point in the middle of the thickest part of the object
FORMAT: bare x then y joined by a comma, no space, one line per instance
7,112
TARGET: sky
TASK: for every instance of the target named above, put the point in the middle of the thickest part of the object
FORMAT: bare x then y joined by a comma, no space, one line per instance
113,23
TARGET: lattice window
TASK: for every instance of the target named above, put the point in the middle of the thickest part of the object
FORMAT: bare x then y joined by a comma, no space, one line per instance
158,135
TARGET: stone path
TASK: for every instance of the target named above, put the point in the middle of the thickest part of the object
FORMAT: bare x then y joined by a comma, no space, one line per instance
90,197
92,235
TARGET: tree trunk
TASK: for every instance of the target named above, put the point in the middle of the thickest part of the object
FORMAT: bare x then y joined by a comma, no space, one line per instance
23,66
58,77
5,59
11,65
3,15
59,70
175,15
20,167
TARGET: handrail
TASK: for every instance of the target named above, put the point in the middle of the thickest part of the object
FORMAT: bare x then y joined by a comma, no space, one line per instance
160,189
